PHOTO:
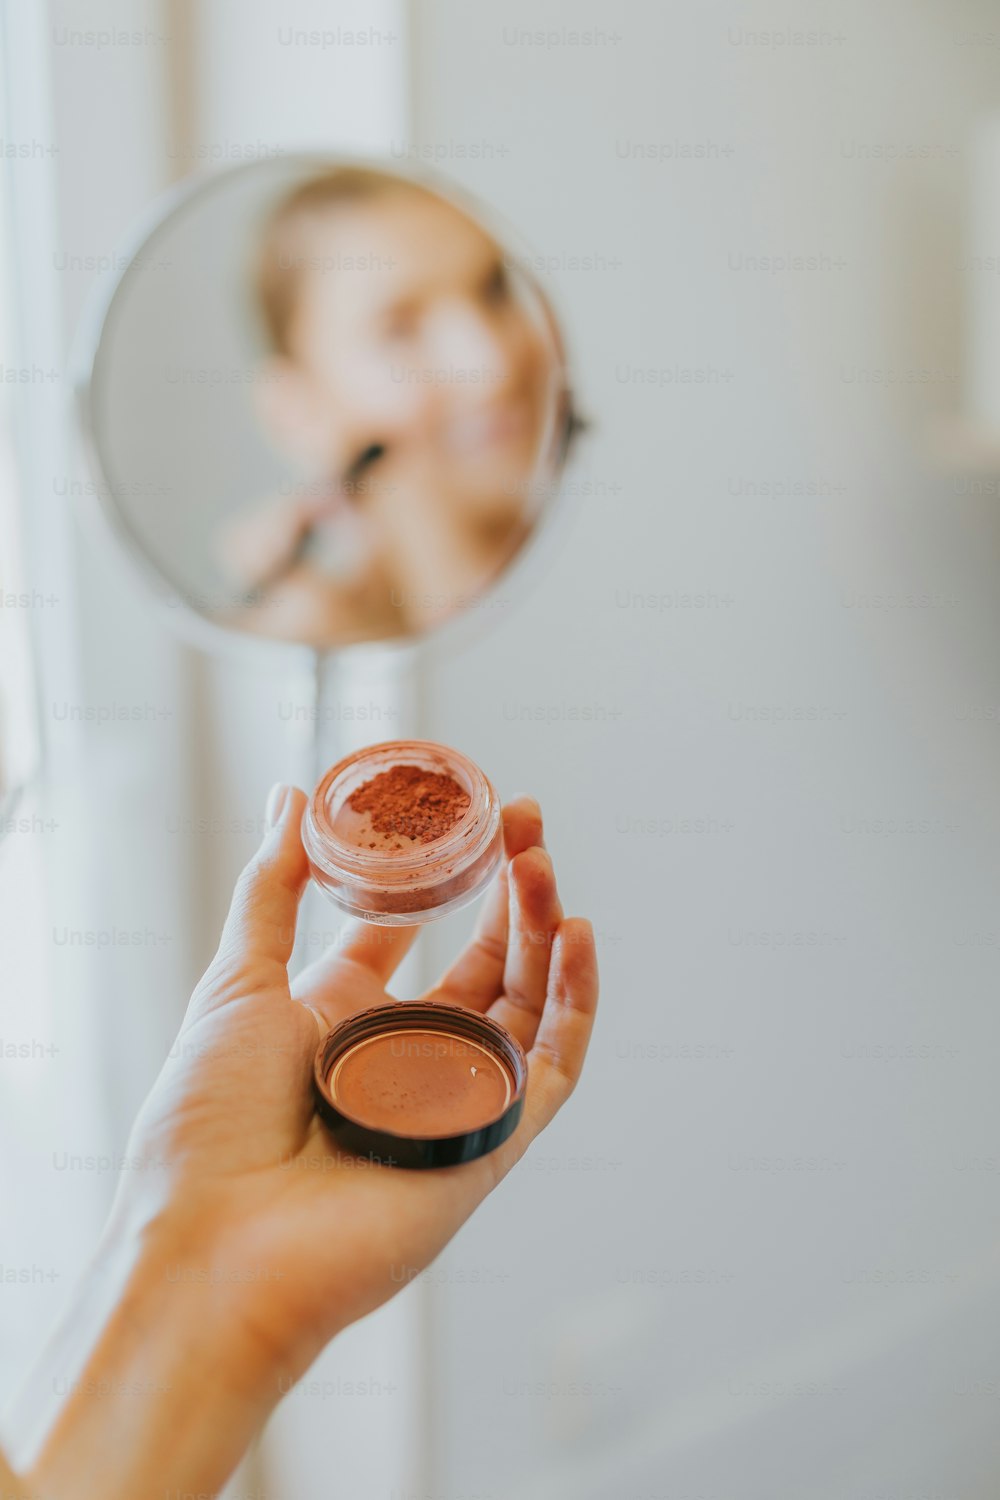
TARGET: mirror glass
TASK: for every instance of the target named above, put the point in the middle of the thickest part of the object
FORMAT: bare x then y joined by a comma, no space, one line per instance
326,403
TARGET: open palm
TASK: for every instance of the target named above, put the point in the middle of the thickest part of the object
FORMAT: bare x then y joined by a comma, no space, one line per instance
301,1237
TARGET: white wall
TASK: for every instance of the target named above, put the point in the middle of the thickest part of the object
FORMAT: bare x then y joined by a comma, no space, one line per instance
714,1271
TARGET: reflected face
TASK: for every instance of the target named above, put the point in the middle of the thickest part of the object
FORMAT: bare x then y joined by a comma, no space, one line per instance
407,331
396,331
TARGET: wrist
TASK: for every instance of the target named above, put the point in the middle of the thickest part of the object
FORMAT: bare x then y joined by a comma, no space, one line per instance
157,1380
223,1276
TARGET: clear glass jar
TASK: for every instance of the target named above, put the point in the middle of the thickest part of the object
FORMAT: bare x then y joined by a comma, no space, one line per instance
394,879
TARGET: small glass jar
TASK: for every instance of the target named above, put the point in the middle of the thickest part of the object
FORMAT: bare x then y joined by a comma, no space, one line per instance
395,879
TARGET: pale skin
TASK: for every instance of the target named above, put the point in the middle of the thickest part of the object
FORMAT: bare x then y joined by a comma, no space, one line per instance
242,1240
431,354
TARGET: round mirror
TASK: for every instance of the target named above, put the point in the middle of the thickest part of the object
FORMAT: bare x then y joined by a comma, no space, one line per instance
325,402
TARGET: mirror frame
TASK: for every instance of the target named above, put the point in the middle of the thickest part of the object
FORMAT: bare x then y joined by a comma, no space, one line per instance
107,515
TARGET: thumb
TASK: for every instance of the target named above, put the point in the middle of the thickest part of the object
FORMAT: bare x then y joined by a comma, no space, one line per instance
260,926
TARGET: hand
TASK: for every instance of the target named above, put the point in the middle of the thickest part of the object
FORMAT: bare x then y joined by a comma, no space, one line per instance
244,1177
256,547
241,1238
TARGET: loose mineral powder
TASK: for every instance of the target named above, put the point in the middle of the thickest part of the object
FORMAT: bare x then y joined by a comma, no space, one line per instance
401,808
420,1084
403,832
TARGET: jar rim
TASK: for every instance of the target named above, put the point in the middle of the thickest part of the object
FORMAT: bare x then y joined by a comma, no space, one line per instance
462,843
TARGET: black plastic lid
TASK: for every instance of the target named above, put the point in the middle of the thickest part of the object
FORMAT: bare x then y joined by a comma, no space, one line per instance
387,1147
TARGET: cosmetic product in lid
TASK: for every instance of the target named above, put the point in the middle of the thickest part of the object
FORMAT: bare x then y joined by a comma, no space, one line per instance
403,832
419,1084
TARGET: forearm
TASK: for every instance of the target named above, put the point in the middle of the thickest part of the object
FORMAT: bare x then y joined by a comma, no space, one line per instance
12,1488
151,1385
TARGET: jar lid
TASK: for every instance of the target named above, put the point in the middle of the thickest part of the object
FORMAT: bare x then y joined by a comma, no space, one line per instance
420,1084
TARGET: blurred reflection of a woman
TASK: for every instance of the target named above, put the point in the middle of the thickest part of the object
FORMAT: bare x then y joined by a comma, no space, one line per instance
412,382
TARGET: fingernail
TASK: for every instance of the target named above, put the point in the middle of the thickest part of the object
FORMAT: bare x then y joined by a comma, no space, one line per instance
277,799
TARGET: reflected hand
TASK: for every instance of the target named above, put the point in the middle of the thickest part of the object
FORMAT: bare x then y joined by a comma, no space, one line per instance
256,547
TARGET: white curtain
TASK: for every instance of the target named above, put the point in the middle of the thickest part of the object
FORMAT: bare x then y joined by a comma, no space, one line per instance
95,956
154,760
